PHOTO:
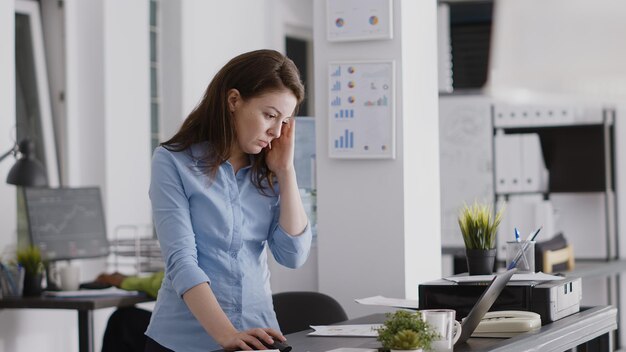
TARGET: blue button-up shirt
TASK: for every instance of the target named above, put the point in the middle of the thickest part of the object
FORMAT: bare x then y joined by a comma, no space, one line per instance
215,231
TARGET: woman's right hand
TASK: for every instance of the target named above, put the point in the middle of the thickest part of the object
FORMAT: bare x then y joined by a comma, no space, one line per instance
250,340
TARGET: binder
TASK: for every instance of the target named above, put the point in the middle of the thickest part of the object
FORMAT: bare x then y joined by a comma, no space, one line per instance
508,153
534,172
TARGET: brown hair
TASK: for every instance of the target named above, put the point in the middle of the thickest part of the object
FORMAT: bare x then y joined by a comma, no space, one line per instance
252,74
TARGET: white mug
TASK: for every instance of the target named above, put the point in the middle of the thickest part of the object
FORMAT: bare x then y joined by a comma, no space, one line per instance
70,277
444,323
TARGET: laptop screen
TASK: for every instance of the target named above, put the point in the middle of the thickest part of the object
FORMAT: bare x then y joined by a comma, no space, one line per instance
484,303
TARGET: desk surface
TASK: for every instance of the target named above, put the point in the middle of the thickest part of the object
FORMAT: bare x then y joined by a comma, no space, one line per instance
558,336
83,303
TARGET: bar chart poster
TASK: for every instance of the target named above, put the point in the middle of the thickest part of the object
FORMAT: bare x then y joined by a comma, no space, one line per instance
361,110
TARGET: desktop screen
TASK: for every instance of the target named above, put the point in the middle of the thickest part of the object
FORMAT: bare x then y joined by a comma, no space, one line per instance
66,223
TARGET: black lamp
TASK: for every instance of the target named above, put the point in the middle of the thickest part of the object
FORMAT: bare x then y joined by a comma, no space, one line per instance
27,171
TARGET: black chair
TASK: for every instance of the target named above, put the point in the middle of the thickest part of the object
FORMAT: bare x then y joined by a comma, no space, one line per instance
295,311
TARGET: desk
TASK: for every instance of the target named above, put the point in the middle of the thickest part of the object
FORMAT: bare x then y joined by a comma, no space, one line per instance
85,307
593,325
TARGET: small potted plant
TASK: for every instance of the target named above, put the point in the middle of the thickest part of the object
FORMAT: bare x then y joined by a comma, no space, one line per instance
406,331
29,258
479,226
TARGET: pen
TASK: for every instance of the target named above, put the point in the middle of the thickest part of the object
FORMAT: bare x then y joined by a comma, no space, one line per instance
532,237
517,239
519,254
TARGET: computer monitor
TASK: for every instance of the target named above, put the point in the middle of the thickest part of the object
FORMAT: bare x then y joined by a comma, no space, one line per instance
66,223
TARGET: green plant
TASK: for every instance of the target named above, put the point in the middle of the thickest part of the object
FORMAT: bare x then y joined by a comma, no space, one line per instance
479,225
30,259
404,330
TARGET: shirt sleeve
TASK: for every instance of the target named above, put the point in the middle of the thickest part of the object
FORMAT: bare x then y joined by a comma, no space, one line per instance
170,212
290,251
148,284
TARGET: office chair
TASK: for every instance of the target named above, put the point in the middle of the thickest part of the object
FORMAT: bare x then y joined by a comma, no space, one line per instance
295,311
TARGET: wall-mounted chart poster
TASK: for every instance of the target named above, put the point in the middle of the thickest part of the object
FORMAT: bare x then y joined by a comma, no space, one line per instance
361,109
348,20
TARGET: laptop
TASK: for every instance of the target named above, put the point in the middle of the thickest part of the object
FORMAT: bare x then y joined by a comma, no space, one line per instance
483,304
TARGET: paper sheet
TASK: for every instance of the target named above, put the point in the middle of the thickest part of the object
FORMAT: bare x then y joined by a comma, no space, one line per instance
111,291
388,302
516,277
358,330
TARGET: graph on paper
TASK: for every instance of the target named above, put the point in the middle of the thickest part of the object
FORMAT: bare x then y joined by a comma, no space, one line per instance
361,109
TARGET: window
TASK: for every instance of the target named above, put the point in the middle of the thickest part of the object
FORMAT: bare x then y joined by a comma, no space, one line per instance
33,109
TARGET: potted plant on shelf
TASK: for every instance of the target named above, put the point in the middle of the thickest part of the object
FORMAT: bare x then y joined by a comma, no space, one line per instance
30,259
479,226
406,331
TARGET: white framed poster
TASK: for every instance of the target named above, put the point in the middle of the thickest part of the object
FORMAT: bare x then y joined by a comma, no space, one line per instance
361,109
352,20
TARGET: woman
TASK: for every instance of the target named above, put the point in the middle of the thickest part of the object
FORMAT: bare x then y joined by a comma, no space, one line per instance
222,188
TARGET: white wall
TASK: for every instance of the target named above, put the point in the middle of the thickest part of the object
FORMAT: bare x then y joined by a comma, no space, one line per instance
127,113
85,92
379,228
204,46
8,216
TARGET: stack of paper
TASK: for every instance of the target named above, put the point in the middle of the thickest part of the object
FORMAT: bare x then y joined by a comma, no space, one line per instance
358,330
516,277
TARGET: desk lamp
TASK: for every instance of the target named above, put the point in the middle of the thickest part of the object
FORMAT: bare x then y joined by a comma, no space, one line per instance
27,171
558,51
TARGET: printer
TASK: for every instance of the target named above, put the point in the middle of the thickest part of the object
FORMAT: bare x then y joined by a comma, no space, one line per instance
552,300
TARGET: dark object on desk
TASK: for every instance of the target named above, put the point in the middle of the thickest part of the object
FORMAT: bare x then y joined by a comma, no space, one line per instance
295,311
459,262
552,300
32,284
277,345
94,285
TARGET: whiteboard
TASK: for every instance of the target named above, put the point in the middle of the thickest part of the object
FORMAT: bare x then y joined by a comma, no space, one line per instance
361,109
466,159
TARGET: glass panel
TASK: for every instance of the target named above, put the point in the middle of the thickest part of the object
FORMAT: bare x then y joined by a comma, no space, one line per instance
153,82
154,112
153,46
153,13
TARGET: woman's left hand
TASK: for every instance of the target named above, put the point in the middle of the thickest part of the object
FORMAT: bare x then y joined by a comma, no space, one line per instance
280,157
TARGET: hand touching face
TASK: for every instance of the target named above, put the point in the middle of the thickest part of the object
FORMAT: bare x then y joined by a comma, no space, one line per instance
280,157
260,121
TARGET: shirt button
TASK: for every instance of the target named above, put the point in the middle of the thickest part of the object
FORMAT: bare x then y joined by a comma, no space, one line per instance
233,254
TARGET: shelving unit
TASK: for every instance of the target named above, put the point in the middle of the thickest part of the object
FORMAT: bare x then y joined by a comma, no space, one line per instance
135,250
577,147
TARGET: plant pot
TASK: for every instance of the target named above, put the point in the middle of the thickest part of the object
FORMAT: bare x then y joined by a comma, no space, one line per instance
419,350
480,261
32,284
